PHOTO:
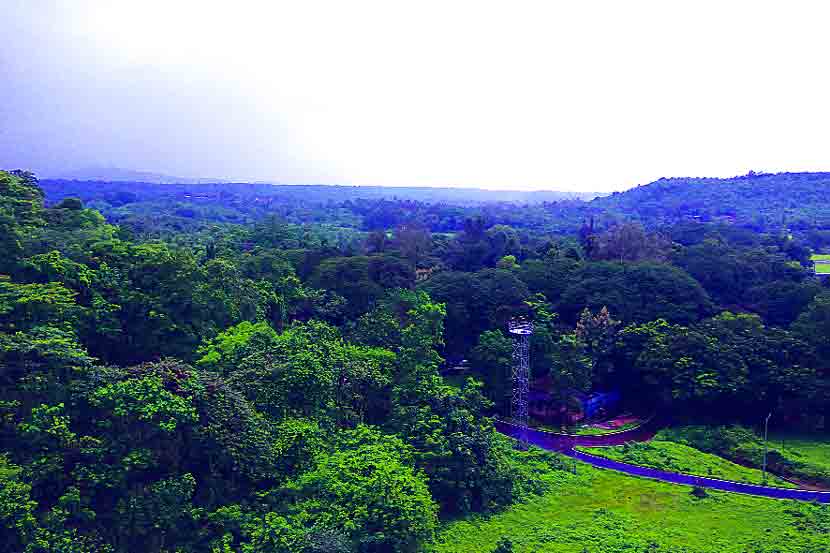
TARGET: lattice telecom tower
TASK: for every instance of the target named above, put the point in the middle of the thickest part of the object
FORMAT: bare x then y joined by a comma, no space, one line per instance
521,329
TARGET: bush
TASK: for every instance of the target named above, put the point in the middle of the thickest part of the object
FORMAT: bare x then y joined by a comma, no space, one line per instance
504,546
699,492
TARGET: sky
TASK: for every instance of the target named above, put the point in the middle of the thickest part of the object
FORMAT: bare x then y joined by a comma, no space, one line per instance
581,96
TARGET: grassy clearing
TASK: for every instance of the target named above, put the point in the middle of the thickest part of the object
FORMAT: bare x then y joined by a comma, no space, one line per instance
600,511
821,268
592,430
586,429
805,457
810,450
676,457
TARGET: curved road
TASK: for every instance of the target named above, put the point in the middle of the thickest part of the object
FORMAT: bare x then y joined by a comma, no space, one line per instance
565,445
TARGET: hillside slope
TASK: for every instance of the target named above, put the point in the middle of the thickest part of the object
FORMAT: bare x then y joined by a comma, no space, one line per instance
796,199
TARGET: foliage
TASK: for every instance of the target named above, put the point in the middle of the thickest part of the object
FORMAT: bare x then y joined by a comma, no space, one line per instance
225,352
492,356
598,333
476,302
17,510
367,489
350,278
729,362
813,325
629,242
636,293
570,366
307,371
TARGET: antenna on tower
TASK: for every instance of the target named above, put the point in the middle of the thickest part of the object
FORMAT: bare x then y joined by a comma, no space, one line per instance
521,329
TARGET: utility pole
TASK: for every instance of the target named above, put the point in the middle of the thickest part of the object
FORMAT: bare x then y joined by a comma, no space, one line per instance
766,432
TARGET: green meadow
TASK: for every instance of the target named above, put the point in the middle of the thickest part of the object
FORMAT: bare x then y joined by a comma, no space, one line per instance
594,430
799,457
599,511
821,268
811,452
676,457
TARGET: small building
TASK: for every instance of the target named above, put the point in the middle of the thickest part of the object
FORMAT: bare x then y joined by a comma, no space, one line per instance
596,403
423,274
570,407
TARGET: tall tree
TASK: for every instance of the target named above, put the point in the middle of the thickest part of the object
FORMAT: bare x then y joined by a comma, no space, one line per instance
629,242
598,333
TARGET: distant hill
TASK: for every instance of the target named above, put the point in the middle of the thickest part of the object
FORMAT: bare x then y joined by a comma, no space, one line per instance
115,174
797,201
90,182
790,199
150,208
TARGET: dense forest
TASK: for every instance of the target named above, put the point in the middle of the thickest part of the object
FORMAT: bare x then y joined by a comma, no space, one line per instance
246,368
760,202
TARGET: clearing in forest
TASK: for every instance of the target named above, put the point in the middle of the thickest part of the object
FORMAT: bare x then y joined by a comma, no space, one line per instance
599,510
674,457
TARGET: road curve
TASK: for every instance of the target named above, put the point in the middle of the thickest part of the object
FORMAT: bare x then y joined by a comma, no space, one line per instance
565,445
566,442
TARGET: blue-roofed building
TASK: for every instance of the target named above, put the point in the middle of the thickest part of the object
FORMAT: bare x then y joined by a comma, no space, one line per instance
596,402
570,407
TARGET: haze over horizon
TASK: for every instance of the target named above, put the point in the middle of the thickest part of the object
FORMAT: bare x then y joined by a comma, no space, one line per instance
591,97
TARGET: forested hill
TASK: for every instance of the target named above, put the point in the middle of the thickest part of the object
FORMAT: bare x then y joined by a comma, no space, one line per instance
795,199
763,202
317,193
153,209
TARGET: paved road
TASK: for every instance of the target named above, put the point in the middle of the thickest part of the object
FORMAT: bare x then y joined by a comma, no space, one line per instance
566,442
565,445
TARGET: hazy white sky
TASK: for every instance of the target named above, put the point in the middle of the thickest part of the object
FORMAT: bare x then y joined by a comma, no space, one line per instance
574,95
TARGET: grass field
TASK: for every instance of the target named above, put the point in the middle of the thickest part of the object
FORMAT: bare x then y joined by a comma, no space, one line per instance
587,429
602,429
805,458
676,457
592,430
811,450
600,511
821,268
